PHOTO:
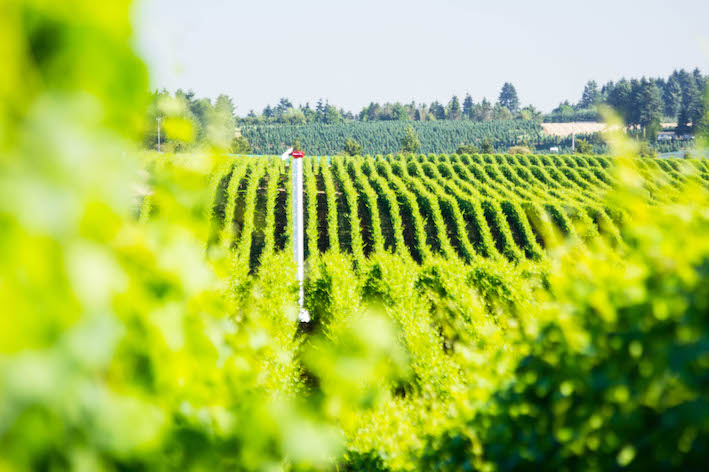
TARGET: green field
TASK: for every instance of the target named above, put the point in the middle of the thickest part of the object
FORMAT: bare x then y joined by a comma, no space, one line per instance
384,137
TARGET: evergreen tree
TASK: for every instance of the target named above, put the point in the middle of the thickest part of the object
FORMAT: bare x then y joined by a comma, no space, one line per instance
591,96
453,109
411,109
619,98
605,91
419,113
691,107
699,79
320,111
309,114
346,115
438,111
649,109
508,98
222,125
699,115
634,103
387,113
468,107
672,97
224,104
485,111
202,113
331,115
283,106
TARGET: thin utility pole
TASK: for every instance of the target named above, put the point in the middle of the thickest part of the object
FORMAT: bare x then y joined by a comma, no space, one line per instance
573,142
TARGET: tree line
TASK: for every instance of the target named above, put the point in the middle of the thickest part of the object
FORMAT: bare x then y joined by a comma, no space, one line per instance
506,107
644,104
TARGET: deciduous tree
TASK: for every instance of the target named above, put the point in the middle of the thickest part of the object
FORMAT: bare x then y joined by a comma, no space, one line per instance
410,141
352,148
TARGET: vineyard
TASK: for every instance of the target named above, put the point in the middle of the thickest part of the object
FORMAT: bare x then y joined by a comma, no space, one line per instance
496,207
428,282
383,137
469,312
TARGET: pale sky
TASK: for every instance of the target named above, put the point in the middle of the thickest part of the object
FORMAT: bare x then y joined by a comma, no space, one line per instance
354,52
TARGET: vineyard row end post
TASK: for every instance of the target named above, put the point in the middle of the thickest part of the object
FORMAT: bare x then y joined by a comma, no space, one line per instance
298,228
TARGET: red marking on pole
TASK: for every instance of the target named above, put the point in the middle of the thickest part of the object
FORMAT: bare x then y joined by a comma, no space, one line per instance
298,154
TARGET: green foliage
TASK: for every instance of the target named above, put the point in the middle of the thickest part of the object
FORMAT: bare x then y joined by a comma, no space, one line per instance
519,150
126,349
565,113
468,107
453,110
352,148
646,151
691,108
508,98
611,373
466,149
410,141
583,147
650,109
531,113
240,145
643,103
186,123
471,312
486,147
591,95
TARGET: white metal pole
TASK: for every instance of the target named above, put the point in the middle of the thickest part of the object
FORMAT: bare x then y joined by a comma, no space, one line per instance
294,203
299,246
296,164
